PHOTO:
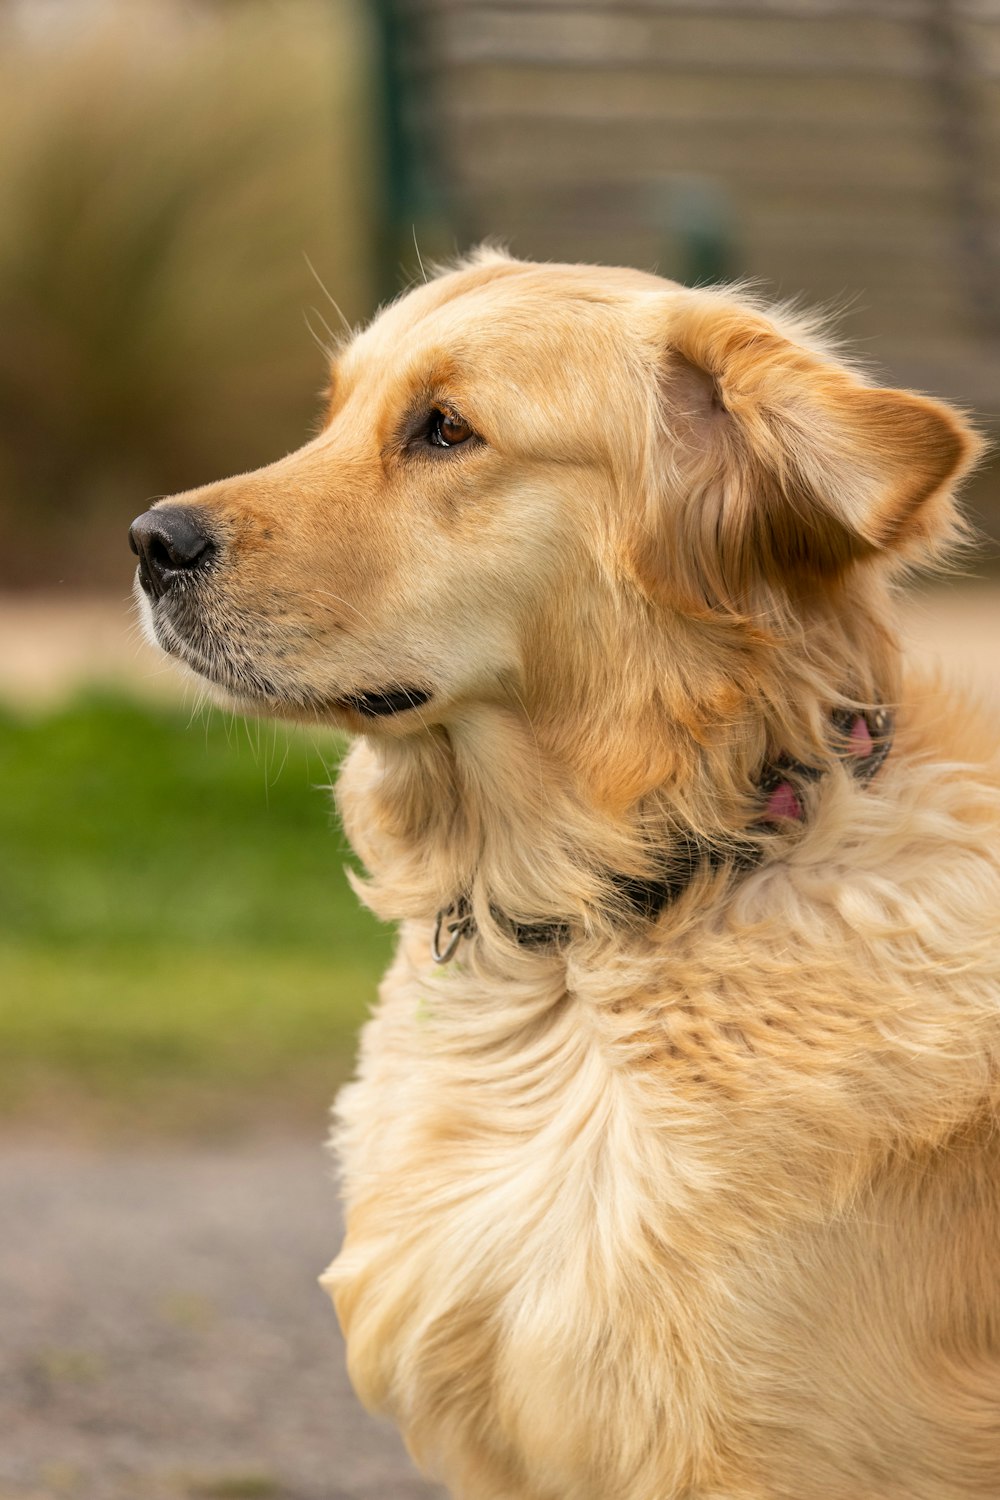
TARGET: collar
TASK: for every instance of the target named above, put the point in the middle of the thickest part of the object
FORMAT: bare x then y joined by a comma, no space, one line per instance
863,740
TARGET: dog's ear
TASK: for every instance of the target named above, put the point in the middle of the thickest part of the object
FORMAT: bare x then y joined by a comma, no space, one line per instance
789,465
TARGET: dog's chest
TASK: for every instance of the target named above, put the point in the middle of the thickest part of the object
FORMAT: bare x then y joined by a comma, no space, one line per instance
502,1202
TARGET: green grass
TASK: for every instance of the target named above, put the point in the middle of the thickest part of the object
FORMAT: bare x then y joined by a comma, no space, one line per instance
174,916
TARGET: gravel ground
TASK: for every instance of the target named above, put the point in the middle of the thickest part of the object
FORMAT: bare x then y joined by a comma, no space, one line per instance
164,1336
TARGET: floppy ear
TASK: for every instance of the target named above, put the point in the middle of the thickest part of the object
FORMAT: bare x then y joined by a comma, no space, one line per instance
791,466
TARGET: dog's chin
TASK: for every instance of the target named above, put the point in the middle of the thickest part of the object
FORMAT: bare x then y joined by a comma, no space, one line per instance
371,710
241,684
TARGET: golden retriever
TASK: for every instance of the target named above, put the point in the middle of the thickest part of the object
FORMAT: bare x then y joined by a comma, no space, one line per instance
671,1165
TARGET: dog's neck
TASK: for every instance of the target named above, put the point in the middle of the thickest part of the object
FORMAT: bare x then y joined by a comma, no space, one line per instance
481,809
494,847
543,809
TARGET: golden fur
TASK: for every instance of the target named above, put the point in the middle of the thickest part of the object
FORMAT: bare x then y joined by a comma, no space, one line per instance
699,1209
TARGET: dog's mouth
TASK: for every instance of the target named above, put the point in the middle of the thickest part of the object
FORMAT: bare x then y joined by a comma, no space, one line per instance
385,703
229,663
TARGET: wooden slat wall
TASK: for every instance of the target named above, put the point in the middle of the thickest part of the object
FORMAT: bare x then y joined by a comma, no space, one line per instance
849,150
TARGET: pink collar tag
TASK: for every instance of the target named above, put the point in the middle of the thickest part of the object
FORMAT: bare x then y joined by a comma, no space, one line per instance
783,803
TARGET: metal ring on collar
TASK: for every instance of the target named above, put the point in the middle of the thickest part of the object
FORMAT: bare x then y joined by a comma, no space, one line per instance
456,929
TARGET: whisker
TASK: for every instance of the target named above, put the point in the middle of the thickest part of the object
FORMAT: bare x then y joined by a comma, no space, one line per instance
327,350
420,261
319,594
348,330
335,339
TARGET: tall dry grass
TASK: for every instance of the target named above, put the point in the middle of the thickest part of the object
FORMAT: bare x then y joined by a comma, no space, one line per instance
162,178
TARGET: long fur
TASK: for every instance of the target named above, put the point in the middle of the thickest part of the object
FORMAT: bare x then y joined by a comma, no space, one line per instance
698,1209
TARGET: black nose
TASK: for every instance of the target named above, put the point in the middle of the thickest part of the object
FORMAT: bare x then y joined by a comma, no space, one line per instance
169,541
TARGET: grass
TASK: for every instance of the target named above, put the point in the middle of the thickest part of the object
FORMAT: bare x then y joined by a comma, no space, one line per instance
178,942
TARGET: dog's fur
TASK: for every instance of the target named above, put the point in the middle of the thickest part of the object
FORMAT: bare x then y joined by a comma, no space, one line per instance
705,1206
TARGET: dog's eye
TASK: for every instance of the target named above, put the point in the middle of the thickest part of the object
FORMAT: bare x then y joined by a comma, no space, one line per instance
447,429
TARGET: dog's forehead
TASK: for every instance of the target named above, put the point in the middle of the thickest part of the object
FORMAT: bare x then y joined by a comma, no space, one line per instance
489,315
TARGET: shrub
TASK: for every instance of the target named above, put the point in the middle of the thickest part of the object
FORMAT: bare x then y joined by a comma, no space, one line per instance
161,182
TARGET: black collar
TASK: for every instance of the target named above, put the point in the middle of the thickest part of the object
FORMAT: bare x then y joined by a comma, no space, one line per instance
863,740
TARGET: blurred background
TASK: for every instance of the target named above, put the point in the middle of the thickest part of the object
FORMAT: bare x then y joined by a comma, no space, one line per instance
196,196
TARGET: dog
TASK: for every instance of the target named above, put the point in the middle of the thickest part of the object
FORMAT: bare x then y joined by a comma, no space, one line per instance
671,1162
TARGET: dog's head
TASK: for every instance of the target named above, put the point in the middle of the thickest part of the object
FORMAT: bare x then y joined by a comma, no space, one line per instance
535,483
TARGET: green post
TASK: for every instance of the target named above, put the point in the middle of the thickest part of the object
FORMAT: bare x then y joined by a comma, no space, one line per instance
412,207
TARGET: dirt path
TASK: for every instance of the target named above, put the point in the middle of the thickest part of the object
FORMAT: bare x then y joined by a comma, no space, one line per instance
164,1336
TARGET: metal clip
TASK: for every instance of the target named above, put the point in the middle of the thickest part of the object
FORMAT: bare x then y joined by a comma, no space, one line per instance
458,930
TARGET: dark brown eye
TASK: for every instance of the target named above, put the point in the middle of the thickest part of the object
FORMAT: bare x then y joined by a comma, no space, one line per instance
447,429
